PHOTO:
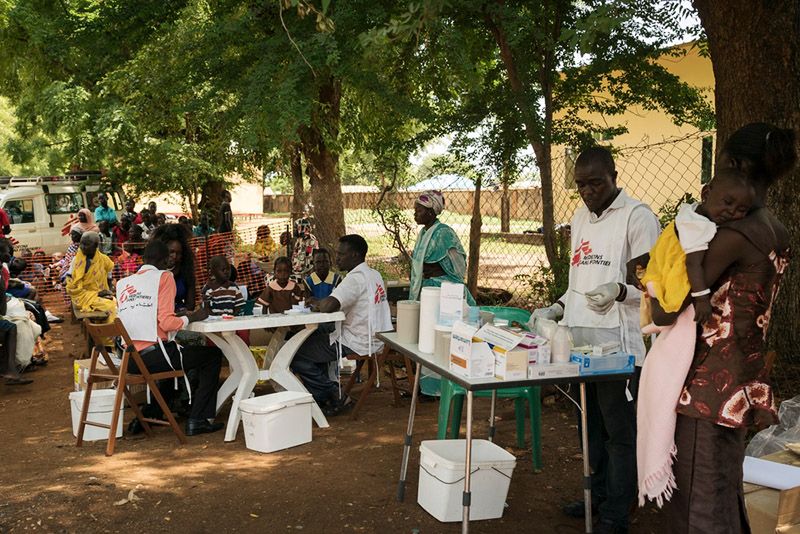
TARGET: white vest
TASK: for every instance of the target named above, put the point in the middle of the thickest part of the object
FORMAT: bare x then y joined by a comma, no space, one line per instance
597,252
137,300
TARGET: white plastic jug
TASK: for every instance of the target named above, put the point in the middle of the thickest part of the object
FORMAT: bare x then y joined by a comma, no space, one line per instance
561,344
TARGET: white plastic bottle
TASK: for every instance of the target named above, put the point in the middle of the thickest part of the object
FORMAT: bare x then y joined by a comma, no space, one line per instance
561,345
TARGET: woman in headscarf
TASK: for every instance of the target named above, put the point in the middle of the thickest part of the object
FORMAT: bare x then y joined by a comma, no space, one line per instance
438,255
85,221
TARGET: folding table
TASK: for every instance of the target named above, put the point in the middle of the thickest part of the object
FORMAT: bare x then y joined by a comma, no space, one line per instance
441,365
244,371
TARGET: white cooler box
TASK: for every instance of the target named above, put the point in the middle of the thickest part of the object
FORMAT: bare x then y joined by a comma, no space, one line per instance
100,407
441,478
276,421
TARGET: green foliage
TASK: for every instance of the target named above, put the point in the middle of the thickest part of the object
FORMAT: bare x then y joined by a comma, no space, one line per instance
667,212
548,283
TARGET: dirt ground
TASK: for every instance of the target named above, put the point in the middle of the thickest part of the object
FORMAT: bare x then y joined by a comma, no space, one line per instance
345,480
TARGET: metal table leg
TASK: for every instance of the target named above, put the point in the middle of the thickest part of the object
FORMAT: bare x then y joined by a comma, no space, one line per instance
491,415
587,474
467,496
401,485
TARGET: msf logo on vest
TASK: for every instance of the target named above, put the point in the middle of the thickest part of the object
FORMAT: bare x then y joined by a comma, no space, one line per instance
127,293
380,294
583,249
583,255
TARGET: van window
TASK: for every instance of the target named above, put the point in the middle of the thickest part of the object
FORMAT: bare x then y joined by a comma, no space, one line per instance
20,211
114,200
64,203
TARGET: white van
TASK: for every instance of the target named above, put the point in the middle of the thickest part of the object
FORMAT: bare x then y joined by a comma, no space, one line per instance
40,206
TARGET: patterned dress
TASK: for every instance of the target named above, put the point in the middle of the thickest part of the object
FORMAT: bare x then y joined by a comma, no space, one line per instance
728,380
726,385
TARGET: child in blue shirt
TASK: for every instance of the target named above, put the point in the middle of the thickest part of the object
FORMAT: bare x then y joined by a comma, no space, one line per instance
321,281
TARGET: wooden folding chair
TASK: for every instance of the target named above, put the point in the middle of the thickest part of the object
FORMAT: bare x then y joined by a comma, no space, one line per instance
385,357
99,333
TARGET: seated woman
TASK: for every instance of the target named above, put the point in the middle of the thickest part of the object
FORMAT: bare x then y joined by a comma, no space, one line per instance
265,246
88,278
85,221
8,351
181,263
438,255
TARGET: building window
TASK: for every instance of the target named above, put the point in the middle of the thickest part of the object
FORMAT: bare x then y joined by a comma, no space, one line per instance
602,136
707,160
570,155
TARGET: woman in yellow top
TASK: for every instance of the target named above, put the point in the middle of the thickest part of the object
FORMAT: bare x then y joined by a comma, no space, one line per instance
88,277
264,246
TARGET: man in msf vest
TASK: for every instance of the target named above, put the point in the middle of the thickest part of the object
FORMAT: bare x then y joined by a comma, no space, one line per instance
608,231
362,297
147,309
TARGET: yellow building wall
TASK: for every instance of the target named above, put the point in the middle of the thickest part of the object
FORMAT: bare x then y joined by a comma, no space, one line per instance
246,199
658,161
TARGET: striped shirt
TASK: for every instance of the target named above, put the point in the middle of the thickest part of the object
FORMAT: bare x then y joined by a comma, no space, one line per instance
223,300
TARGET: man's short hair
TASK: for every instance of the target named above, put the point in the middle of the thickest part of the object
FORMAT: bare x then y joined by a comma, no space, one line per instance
6,243
356,243
321,251
597,154
155,251
90,237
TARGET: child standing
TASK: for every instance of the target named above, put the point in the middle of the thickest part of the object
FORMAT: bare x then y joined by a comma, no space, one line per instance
220,294
281,292
106,239
320,283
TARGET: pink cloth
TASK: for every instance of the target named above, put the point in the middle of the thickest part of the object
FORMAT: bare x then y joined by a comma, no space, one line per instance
660,386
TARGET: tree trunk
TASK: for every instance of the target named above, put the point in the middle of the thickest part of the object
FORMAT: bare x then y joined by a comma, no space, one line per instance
322,165
211,200
538,139
298,192
473,258
755,50
505,204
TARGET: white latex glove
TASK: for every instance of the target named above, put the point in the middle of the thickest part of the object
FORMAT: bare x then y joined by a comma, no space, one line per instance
554,312
601,299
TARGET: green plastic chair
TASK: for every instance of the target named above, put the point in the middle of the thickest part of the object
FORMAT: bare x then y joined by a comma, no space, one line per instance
249,304
454,394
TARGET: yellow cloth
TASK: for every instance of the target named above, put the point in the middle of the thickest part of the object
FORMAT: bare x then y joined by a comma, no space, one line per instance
667,271
83,286
265,247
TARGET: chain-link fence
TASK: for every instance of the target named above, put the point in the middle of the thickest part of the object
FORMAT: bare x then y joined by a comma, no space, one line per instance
511,256
513,268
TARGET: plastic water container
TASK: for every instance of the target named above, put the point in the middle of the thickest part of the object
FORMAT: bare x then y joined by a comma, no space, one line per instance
276,421
101,404
441,478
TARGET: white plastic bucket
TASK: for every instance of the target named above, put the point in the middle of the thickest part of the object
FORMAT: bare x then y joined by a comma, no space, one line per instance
441,478
276,421
101,405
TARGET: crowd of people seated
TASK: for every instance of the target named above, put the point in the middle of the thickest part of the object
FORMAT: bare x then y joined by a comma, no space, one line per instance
192,272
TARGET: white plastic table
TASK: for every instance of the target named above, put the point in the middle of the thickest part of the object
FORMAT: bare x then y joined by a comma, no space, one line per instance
441,365
244,371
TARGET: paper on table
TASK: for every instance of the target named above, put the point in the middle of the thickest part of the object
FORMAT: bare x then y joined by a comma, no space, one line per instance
451,303
770,474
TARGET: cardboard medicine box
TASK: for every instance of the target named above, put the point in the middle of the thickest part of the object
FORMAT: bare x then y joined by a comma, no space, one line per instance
470,356
771,510
81,373
510,359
